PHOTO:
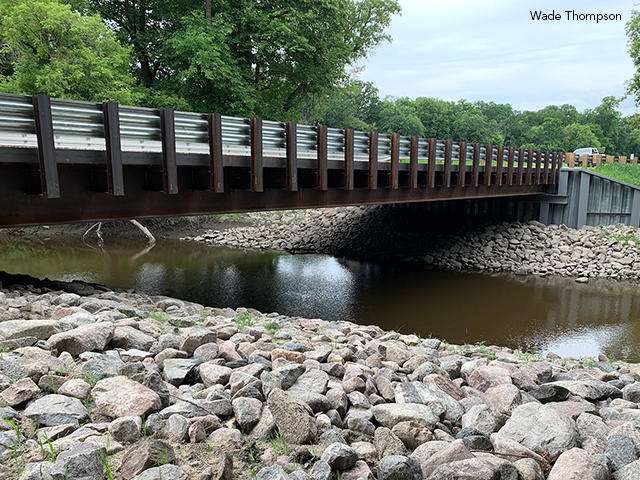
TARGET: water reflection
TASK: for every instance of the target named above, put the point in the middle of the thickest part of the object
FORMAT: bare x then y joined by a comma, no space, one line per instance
548,314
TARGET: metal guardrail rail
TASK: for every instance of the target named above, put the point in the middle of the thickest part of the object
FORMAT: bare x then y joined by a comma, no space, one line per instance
53,125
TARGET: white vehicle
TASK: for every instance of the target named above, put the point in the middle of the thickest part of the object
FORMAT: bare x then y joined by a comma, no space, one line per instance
587,151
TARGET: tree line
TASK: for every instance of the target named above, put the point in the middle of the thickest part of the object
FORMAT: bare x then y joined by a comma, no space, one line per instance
554,128
275,59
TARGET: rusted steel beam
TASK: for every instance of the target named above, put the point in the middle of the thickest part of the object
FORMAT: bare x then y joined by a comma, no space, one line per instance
520,166
323,177
373,160
545,168
462,164
395,161
529,166
510,159
111,120
80,204
448,151
257,174
499,161
431,166
169,165
46,146
291,130
216,169
555,159
538,171
349,138
475,169
413,163
488,160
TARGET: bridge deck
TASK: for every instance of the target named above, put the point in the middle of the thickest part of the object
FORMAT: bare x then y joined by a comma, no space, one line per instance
64,161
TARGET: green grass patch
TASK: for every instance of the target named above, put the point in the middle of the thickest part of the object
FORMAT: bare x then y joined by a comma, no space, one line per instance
625,172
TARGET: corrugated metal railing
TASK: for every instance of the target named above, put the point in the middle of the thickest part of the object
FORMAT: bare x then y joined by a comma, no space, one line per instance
26,122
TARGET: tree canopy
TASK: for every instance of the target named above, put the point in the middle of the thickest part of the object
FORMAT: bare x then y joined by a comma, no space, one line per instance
48,48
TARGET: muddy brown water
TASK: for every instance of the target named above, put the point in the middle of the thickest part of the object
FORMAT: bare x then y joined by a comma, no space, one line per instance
531,313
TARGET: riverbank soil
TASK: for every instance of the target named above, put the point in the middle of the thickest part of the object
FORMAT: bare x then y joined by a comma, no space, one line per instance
102,384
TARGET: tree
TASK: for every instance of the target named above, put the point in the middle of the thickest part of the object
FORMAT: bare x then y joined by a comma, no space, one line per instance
474,127
578,136
49,49
633,44
399,119
264,57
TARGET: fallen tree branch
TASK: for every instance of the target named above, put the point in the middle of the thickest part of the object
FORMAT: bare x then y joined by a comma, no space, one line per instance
145,231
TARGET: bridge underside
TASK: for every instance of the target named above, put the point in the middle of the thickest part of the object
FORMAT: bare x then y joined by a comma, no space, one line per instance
83,186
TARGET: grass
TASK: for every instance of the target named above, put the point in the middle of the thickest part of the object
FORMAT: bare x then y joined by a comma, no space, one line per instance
625,172
279,445
245,319
632,235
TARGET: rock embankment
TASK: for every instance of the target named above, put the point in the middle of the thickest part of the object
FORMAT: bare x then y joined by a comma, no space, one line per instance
127,386
382,233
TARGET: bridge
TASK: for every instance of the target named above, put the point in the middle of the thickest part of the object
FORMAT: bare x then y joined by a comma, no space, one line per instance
66,161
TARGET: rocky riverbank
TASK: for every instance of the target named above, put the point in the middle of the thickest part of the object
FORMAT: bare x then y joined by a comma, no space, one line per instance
383,233
100,384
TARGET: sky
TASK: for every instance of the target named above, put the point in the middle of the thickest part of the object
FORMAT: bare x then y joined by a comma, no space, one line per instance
491,50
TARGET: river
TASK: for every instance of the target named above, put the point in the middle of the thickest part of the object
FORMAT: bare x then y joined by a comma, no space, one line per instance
530,313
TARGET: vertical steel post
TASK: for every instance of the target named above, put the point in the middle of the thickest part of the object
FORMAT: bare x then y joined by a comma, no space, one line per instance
46,146
111,121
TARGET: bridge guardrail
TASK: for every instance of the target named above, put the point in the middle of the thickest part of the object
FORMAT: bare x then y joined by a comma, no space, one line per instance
76,125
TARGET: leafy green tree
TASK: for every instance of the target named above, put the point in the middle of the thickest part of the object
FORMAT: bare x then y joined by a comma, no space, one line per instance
474,127
350,106
399,119
578,136
47,48
633,44
265,58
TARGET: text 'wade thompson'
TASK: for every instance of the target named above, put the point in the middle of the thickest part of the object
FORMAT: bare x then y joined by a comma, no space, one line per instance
572,15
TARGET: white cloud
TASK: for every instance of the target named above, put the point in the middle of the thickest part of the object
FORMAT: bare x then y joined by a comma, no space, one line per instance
493,51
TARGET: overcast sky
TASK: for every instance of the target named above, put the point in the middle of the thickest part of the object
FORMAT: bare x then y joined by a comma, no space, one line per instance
491,50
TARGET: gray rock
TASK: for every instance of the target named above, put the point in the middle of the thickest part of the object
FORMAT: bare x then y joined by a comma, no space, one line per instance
412,434
212,374
455,452
165,472
590,425
176,370
550,393
541,428
632,392
198,408
389,414
41,329
36,471
621,450
312,381
339,456
100,365
275,472
321,470
206,352
93,336
482,418
628,472
128,337
294,418
196,337
122,397
144,455
398,467
576,463
388,443
430,395
82,461
52,410
472,469
247,411
529,469
153,381
177,427
126,429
